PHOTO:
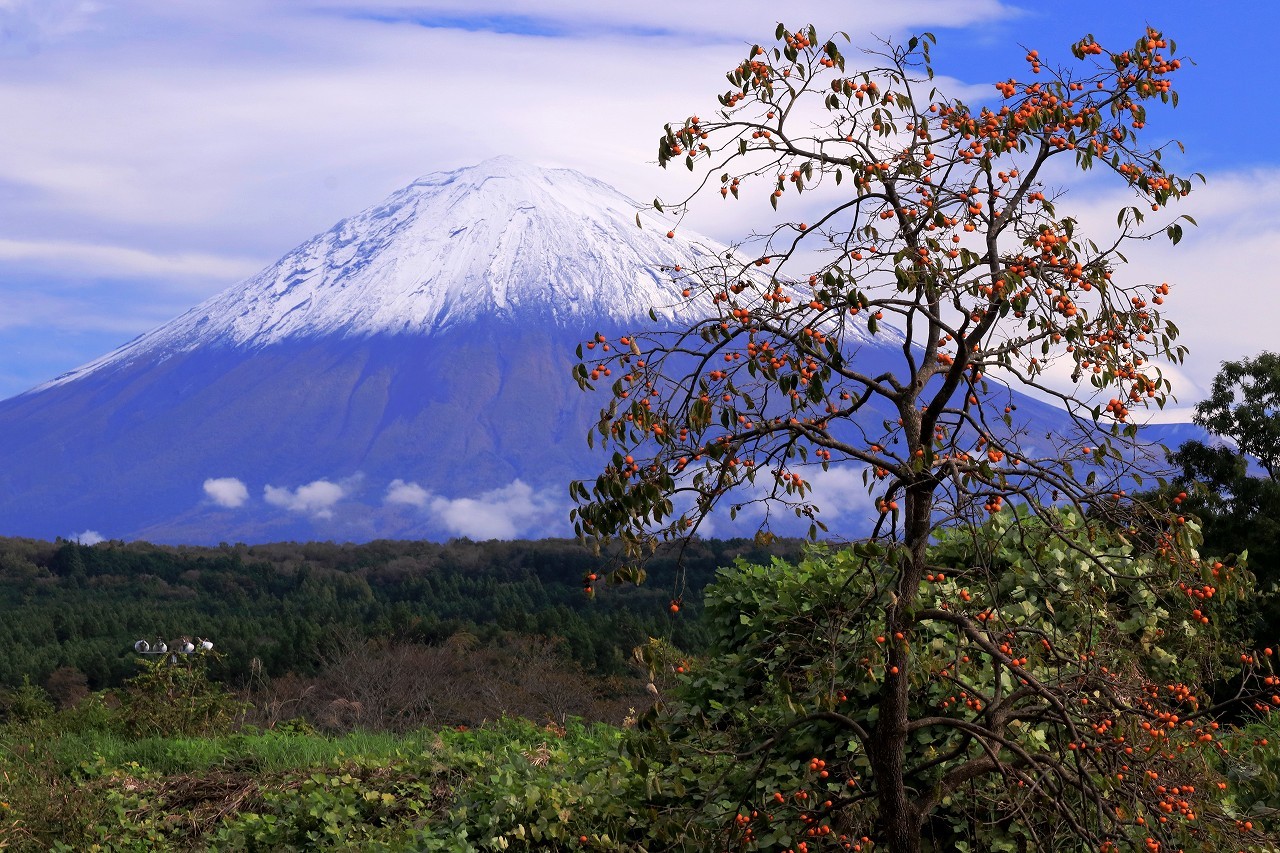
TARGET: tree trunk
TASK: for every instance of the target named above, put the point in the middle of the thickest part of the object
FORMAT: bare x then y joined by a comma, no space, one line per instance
900,818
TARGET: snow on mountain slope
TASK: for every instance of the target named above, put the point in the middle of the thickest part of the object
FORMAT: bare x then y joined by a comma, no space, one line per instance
500,238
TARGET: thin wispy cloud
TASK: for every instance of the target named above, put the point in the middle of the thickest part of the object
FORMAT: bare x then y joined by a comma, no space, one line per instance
70,310
698,23
27,26
98,259
524,25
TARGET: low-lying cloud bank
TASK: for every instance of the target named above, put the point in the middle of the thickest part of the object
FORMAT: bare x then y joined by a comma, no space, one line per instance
516,510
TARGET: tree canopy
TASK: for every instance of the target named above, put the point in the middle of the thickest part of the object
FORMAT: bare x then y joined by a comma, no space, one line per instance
1244,406
1233,486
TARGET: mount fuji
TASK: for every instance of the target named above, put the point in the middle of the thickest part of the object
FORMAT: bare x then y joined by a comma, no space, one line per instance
407,373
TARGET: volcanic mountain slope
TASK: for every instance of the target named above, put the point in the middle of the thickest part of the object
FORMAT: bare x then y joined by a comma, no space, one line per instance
407,372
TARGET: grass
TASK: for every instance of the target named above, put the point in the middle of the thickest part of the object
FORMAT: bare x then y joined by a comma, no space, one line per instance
266,751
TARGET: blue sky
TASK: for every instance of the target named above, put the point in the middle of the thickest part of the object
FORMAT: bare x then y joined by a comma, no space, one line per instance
154,152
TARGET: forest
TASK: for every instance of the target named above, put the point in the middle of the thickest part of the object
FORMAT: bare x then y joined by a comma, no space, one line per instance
288,608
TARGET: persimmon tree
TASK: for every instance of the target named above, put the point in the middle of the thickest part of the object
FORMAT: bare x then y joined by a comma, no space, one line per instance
1075,725
936,268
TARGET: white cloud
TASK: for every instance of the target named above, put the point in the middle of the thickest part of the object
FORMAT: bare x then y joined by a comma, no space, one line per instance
226,492
1224,292
1224,298
840,492
124,260
316,498
88,537
410,494
313,97
843,501
503,513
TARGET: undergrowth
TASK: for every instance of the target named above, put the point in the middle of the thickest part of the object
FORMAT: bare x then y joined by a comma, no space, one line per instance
513,785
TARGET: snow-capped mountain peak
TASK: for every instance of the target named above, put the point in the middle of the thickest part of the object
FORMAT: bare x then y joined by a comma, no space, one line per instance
497,237
503,237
